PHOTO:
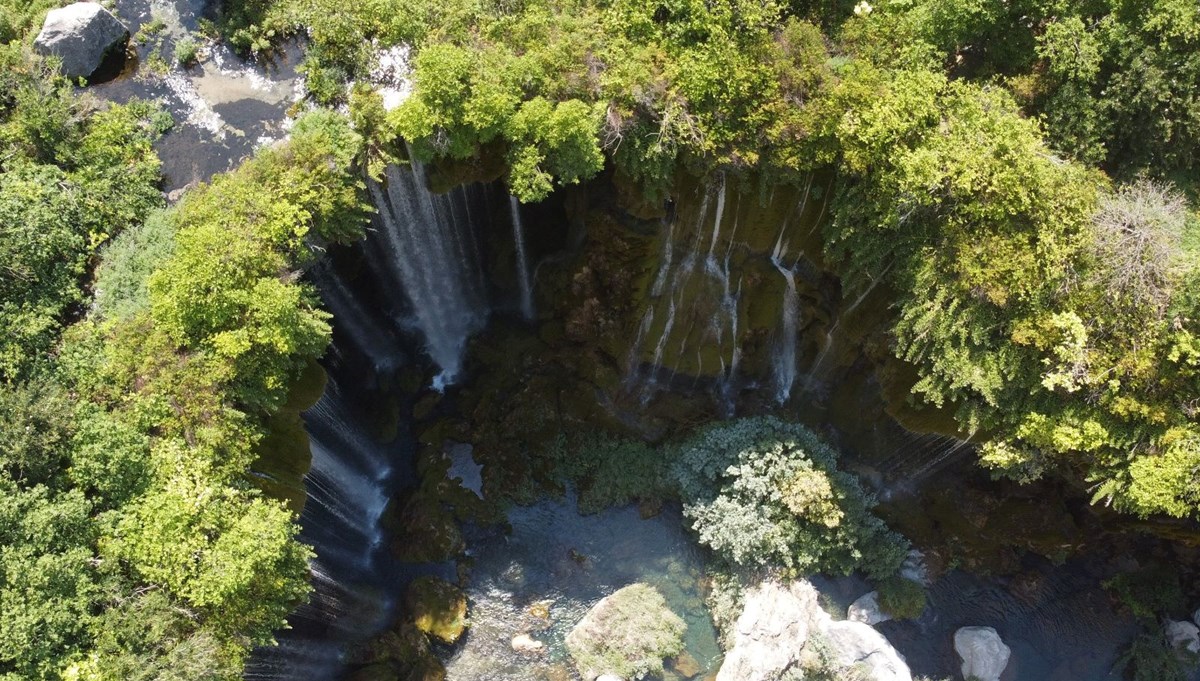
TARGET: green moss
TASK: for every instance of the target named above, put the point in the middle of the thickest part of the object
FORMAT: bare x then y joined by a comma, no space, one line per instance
437,608
628,634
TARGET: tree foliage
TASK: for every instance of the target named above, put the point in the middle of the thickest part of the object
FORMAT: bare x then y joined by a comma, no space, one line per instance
764,493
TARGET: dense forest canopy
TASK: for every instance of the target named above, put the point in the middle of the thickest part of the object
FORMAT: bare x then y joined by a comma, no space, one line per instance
1019,175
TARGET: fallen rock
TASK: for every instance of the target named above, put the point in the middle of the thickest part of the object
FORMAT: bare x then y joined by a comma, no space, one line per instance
866,610
526,644
857,644
1183,636
82,35
983,653
627,634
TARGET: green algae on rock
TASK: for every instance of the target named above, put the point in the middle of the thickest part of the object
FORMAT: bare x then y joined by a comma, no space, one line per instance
628,633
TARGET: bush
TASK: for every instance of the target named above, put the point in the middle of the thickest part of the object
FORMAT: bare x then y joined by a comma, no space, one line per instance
186,51
127,263
902,598
763,493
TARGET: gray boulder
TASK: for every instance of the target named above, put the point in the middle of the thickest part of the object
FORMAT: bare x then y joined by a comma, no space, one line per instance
983,654
857,644
1196,617
1183,636
82,35
866,610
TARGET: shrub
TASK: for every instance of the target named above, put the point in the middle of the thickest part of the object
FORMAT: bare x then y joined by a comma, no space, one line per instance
186,51
902,598
761,492
127,263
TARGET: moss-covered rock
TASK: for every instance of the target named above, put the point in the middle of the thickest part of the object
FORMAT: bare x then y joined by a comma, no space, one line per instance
628,633
437,608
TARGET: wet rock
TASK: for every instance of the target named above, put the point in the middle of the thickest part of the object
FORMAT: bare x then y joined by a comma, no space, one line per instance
1183,636
438,608
855,644
1196,617
914,568
527,645
983,654
866,610
627,633
82,35
686,665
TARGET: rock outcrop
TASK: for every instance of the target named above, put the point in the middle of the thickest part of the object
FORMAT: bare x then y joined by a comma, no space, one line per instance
778,624
82,35
983,653
866,610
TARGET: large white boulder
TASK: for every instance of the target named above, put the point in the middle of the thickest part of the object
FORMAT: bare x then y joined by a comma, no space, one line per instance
1183,636
983,653
82,35
866,610
770,632
777,623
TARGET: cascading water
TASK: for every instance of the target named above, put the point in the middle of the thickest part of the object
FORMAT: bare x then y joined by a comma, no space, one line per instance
522,262
348,485
692,308
783,362
431,252
783,359
367,335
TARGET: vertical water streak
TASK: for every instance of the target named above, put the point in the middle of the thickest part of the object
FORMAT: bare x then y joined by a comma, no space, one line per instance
522,264
430,247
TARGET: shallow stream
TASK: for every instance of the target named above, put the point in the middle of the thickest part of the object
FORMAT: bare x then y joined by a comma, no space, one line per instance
557,558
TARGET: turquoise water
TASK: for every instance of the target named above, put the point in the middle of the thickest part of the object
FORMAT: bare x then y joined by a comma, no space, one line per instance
556,564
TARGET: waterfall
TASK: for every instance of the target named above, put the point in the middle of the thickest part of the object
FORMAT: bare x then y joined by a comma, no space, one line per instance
692,305
430,250
522,263
349,485
783,360
783,363
359,325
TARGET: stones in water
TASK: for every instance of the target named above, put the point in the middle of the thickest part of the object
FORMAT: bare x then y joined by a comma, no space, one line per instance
522,262
983,653
627,634
82,34
781,628
527,645
866,610
429,248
